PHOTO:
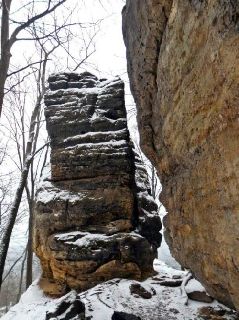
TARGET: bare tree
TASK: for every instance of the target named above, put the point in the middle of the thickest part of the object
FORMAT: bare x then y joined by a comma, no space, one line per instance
47,42
19,128
5,188
8,40
21,185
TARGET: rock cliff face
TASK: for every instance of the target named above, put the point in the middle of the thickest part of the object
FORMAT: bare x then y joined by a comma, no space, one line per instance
94,217
183,59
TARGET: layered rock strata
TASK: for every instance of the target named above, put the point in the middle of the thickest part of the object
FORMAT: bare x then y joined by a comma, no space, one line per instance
94,216
183,69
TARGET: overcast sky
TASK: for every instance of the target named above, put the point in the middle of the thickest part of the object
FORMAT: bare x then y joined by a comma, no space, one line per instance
110,51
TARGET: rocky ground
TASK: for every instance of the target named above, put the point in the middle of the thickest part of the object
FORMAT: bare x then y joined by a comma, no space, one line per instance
159,297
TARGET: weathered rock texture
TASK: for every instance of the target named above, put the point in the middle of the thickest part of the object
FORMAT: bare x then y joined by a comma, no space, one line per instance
94,216
183,59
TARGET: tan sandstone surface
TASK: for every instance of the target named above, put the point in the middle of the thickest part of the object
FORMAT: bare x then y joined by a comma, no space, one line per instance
95,219
183,64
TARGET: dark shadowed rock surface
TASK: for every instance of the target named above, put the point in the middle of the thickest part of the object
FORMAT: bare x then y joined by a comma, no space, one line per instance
69,308
138,290
183,70
124,316
94,217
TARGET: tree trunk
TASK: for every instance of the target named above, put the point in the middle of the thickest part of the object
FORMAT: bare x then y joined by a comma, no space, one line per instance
5,49
21,276
12,218
29,245
18,196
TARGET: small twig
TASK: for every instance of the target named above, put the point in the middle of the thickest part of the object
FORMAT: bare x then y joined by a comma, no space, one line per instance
42,147
23,68
98,296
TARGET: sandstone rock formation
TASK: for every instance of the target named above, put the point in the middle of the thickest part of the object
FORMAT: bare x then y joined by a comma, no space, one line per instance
183,67
94,216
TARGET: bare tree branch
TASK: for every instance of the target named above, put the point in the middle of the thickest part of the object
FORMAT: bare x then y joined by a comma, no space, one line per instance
30,21
23,68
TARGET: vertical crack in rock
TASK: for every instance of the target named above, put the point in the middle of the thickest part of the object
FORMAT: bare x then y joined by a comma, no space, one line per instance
94,217
143,32
193,111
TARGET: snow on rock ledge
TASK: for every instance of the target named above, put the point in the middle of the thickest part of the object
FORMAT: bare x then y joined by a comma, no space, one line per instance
94,216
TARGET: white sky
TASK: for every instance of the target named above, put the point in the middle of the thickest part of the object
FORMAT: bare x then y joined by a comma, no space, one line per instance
110,50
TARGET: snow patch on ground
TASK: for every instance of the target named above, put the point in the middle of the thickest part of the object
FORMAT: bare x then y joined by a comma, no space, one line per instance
102,300
32,305
165,256
194,285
